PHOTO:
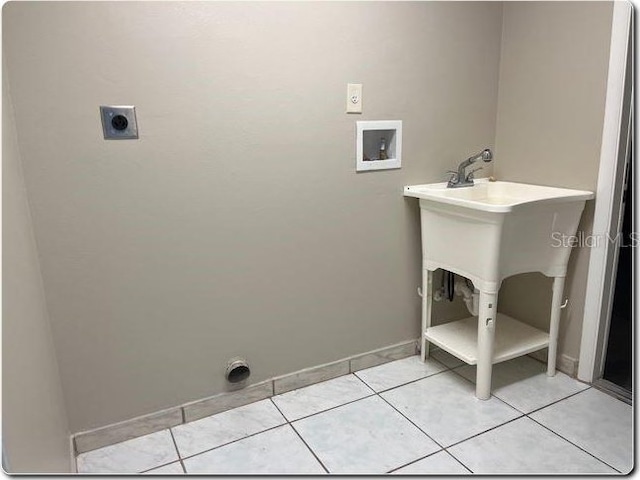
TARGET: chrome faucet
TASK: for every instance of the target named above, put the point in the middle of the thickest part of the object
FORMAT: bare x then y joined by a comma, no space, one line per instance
461,178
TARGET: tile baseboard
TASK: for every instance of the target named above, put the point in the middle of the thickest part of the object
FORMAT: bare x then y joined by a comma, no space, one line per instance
564,363
568,365
384,355
127,429
309,376
73,467
227,400
154,422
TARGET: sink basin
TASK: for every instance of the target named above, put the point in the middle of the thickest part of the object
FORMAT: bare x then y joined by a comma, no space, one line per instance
493,230
495,196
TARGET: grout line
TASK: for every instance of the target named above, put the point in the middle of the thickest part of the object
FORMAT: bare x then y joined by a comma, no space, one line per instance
492,394
300,437
453,370
458,460
577,446
516,408
232,441
310,449
175,444
144,471
372,394
414,461
484,431
332,408
407,383
400,385
557,401
412,423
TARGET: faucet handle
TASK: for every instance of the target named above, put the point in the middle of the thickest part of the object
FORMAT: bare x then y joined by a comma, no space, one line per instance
470,174
453,175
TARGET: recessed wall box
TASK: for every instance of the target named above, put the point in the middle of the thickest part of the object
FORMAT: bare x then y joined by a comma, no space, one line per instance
119,122
378,145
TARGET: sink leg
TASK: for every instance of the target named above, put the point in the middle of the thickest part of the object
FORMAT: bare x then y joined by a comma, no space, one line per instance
486,334
554,324
427,300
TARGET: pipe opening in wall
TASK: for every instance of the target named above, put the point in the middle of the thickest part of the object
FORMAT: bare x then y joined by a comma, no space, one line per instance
237,370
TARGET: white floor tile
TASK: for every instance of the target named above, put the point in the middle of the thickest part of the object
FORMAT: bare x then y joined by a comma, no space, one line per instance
524,447
132,456
446,408
225,427
523,383
398,372
278,451
367,436
596,422
445,358
171,469
440,463
321,396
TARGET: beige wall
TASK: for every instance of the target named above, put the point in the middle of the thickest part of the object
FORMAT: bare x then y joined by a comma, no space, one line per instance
236,225
553,75
35,435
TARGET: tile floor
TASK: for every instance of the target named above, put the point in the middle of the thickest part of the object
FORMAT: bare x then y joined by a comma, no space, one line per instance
403,417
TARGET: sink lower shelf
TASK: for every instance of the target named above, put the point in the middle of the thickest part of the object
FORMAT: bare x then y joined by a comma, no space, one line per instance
512,339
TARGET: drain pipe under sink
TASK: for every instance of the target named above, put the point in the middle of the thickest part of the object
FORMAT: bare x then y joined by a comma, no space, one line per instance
471,298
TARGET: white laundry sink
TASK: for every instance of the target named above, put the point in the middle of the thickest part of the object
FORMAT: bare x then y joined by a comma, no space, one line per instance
495,196
493,230
486,233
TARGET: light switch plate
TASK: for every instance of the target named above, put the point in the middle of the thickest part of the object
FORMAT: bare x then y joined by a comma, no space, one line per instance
354,98
119,122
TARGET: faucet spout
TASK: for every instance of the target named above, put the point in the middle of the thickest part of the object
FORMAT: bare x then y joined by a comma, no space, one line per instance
463,179
485,155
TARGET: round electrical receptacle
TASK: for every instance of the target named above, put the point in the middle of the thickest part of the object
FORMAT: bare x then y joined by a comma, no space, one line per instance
119,122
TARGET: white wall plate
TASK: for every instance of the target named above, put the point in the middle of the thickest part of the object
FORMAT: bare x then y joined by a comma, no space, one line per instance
369,136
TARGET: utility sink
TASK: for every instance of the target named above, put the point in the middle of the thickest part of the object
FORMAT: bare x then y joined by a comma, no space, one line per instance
486,233
493,230
498,197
